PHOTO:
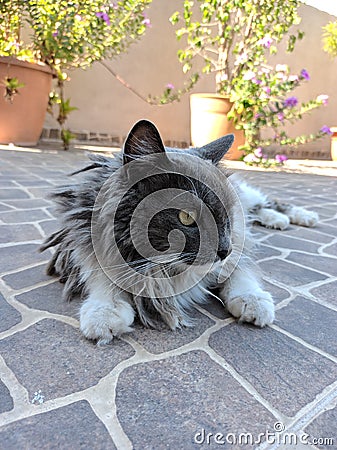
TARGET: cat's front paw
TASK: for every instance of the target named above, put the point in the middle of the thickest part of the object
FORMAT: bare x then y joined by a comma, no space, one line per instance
257,308
301,216
273,219
102,321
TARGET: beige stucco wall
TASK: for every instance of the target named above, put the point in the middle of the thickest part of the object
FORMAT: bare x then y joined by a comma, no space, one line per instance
106,106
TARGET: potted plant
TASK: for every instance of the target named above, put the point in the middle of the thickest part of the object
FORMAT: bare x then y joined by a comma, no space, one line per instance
231,38
330,46
64,35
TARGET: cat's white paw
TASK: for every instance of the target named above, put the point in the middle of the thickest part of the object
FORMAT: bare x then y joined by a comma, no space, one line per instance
257,308
273,219
301,216
102,321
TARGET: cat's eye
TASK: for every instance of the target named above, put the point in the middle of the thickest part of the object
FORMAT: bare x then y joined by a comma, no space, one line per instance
187,218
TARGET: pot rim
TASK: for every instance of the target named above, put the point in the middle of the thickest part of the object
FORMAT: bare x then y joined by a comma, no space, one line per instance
210,95
38,65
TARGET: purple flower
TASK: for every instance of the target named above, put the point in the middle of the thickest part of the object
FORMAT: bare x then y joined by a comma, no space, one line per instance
169,86
55,33
280,158
290,102
258,152
326,130
102,15
280,116
304,74
267,90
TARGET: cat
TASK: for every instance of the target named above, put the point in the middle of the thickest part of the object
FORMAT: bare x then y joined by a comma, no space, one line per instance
154,231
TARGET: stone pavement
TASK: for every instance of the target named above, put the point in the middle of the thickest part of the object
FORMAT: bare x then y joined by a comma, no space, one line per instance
189,389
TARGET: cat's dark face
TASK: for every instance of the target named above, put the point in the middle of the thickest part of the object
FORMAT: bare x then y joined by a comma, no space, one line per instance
171,213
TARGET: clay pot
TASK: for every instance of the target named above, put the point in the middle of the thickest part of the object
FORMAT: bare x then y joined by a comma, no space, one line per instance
334,143
21,121
209,122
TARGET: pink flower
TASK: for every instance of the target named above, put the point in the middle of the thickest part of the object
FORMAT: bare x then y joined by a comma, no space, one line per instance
249,75
258,152
102,15
280,116
169,86
146,21
266,41
280,158
322,99
267,90
256,81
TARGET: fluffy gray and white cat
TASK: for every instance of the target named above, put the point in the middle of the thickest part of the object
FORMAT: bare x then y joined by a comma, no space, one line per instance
153,232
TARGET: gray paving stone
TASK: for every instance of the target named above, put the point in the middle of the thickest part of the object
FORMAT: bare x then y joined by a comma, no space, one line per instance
39,192
216,308
18,256
278,293
326,292
302,314
53,357
282,241
50,226
29,215
263,251
9,315
164,339
18,233
27,277
308,234
73,426
321,263
324,227
34,183
289,274
6,401
4,207
49,298
164,404
331,250
278,367
323,430
13,193
332,222
28,203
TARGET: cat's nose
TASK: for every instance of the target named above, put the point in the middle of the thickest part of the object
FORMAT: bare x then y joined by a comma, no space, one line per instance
224,252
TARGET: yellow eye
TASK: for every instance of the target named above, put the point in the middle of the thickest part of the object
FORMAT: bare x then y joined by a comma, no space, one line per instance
187,218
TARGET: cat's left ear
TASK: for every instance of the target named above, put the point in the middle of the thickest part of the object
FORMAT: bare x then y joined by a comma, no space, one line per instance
143,139
216,150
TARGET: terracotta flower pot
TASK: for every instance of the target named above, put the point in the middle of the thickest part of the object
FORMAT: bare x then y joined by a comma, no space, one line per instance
209,122
21,121
334,143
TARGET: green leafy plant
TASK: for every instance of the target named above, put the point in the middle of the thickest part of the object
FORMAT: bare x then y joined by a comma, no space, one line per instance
12,86
330,38
232,40
263,103
66,35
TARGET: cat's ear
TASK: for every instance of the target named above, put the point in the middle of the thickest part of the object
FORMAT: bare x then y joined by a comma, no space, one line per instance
143,139
216,150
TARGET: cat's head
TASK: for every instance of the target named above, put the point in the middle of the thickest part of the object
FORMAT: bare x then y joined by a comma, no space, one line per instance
176,208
